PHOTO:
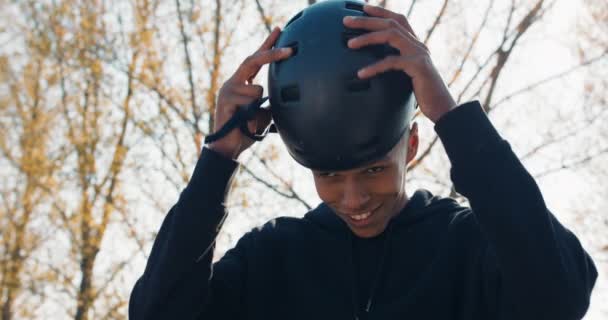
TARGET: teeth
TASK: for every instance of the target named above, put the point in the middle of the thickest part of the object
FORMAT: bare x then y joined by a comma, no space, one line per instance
361,216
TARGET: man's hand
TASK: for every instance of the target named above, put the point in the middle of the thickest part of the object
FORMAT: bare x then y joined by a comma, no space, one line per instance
387,27
239,90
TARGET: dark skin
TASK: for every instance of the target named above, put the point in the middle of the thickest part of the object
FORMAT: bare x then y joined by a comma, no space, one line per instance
379,186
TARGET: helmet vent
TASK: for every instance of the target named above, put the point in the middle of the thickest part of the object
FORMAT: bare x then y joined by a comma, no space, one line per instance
298,149
294,18
294,51
294,48
354,6
290,93
356,84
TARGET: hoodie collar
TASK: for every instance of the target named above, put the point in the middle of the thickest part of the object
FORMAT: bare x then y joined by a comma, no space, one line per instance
421,205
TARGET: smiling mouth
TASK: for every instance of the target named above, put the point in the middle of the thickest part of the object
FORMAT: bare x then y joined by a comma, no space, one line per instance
362,218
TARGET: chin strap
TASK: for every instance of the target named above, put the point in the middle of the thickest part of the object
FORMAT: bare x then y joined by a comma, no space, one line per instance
240,118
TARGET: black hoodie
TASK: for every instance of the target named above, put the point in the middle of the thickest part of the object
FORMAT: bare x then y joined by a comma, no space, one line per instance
506,257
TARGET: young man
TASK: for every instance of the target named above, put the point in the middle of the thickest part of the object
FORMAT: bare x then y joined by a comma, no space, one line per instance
369,251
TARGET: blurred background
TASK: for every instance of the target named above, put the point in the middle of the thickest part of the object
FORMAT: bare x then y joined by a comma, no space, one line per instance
104,105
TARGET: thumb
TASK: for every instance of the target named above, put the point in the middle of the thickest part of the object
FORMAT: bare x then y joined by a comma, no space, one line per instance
261,121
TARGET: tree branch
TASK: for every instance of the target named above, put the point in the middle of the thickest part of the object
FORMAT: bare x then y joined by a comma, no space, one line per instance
275,189
436,22
265,19
549,79
571,165
196,114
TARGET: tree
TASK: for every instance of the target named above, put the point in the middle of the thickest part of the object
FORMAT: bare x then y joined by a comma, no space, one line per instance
104,106
30,165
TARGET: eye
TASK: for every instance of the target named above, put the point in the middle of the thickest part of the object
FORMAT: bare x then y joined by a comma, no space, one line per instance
373,170
327,174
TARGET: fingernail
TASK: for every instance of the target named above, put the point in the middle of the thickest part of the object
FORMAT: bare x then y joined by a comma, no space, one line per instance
361,73
286,50
348,19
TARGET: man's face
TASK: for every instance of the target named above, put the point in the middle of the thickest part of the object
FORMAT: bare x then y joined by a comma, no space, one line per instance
366,198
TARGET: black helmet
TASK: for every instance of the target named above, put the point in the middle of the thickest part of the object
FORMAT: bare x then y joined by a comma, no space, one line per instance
328,118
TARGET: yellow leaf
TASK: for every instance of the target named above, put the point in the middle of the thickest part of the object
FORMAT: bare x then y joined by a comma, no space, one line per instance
96,68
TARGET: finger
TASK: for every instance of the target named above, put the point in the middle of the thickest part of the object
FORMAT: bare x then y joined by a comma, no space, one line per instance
239,100
392,37
270,40
266,45
254,63
386,64
370,23
260,122
254,91
376,11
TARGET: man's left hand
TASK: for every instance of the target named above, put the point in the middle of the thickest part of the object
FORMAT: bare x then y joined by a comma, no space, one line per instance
393,29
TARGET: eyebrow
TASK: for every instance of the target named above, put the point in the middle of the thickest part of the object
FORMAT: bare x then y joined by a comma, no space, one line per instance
364,167
377,161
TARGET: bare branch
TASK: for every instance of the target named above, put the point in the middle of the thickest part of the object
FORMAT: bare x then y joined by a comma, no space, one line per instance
410,9
436,22
474,39
196,114
571,165
214,73
265,19
276,189
550,78
281,179
563,136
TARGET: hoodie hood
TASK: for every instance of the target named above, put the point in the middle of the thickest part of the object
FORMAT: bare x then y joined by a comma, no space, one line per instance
422,205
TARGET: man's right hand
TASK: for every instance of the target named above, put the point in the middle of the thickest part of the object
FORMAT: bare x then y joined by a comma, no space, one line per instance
239,90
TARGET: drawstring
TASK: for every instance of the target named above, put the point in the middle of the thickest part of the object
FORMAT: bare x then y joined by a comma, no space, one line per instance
240,118
378,278
353,276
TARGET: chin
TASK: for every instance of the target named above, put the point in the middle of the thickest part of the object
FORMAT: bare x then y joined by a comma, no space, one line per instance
365,234
370,232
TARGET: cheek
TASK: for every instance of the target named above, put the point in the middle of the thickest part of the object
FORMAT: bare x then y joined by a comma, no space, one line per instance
390,184
327,192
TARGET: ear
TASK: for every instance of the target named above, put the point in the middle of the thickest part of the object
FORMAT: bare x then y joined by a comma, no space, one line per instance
412,143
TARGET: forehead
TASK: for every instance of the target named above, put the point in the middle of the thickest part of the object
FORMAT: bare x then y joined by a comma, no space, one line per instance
382,160
393,156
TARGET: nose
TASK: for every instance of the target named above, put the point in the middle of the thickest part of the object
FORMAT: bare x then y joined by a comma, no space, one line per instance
355,196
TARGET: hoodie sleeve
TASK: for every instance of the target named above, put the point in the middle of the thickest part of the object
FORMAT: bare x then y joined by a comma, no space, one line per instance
176,280
544,271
